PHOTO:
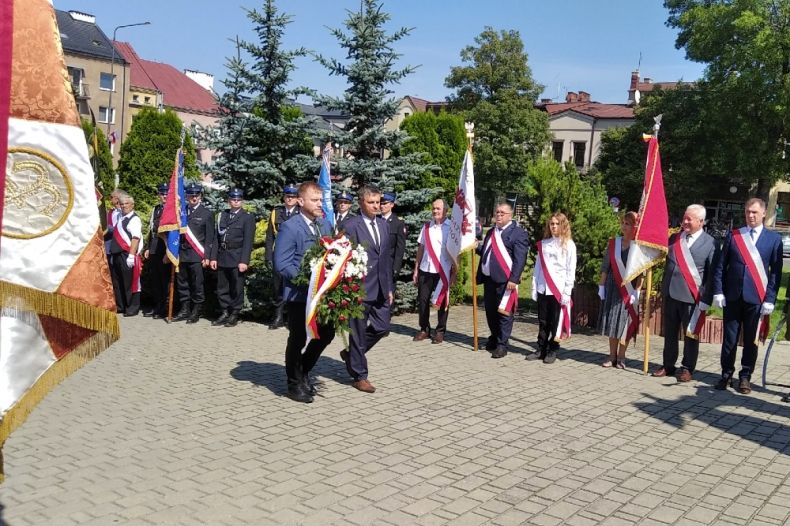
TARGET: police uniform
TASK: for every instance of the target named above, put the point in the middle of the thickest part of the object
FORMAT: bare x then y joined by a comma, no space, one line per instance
200,222
279,215
397,227
235,234
340,220
159,266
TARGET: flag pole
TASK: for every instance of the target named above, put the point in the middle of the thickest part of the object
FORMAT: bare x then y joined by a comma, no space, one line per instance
646,357
470,135
172,265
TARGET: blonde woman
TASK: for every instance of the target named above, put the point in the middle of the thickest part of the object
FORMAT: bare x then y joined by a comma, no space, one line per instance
552,284
619,316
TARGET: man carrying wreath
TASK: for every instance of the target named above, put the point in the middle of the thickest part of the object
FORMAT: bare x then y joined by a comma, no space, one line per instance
293,240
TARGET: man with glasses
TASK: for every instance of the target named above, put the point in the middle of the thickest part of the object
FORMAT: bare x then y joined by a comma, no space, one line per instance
235,234
280,214
156,259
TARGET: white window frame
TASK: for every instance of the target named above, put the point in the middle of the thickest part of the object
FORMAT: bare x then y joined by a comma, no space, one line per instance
111,111
113,82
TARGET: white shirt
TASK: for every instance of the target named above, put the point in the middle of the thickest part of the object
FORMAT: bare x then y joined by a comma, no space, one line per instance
135,228
562,262
438,233
757,231
691,238
373,228
487,255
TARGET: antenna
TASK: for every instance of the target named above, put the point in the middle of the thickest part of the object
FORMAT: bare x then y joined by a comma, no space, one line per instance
639,64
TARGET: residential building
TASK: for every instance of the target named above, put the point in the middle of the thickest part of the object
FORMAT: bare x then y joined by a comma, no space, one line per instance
409,105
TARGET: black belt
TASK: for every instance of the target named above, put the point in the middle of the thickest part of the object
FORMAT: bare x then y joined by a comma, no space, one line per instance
230,246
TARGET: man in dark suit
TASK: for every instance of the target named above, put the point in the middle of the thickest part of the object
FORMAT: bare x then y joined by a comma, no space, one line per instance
235,234
397,229
497,278
370,230
294,239
195,253
343,210
687,279
280,214
745,283
156,258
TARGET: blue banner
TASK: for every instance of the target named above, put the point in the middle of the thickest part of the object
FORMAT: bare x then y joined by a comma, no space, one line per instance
325,182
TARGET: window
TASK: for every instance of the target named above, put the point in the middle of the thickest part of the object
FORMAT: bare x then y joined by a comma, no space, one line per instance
148,100
103,114
578,153
136,99
556,150
107,82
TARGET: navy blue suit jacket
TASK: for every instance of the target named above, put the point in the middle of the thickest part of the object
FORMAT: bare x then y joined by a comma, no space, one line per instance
379,278
293,240
516,243
732,278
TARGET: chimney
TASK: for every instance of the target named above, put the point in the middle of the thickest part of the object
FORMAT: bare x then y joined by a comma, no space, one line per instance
82,17
648,80
584,96
634,80
572,96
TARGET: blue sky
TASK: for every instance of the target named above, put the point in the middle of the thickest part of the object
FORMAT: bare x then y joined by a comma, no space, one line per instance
589,45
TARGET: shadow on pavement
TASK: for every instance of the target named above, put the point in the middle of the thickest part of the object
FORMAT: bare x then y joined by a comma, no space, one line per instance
272,375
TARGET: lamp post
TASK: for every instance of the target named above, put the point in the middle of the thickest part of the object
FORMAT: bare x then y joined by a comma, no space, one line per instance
110,113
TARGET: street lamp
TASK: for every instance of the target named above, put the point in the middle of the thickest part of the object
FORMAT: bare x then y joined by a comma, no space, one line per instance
110,113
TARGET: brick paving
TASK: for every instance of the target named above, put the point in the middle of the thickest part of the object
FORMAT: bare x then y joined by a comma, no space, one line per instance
188,424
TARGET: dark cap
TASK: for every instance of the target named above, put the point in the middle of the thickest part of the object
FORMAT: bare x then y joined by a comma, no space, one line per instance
345,195
193,189
290,189
236,193
387,197
163,188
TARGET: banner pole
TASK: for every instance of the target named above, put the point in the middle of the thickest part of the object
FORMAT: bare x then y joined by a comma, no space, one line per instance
472,275
170,298
646,357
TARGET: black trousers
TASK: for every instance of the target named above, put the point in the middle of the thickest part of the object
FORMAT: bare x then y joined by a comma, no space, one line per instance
676,318
366,332
548,318
277,286
160,282
426,283
190,282
125,300
740,315
230,288
298,364
499,325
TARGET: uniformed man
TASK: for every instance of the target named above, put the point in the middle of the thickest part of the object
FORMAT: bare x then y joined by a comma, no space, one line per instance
156,259
343,209
195,254
235,234
289,208
397,233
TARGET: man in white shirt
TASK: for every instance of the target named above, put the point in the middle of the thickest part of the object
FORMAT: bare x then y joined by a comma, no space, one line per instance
124,253
432,268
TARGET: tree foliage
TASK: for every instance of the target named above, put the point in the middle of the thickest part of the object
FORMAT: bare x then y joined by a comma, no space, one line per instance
101,159
148,155
495,90
552,188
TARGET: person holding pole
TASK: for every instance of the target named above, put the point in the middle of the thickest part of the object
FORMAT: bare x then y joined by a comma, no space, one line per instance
552,284
687,280
503,256
619,314
745,284
155,256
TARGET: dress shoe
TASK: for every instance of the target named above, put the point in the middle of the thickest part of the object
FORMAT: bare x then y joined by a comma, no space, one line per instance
232,320
535,356
491,344
220,321
364,386
420,336
277,322
551,356
499,352
183,312
130,314
661,372
684,375
438,338
158,316
194,315
744,386
148,314
722,384
298,394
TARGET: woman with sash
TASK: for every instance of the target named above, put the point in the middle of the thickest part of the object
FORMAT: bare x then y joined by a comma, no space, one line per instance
552,284
619,315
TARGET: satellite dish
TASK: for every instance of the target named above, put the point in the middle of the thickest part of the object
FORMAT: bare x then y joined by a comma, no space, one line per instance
637,96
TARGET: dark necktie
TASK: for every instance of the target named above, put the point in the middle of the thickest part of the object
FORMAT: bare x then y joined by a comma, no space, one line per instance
314,230
375,232
752,234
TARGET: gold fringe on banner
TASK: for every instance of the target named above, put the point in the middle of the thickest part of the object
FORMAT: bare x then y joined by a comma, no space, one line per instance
73,311
59,371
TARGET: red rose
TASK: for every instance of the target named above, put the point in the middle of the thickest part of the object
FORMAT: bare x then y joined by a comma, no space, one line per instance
341,318
355,287
331,304
360,300
349,279
344,303
345,288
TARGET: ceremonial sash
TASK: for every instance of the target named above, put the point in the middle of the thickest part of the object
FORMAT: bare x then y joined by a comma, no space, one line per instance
688,269
626,289
196,245
754,265
507,305
124,240
441,294
564,323
321,282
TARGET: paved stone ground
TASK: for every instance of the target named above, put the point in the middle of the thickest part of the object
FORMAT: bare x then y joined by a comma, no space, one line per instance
189,425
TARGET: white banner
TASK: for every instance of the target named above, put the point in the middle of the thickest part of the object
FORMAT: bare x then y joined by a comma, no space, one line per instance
461,236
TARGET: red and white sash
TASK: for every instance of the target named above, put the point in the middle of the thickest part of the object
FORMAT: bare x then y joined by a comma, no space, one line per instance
688,269
441,294
124,240
626,289
196,245
509,301
754,265
322,281
564,324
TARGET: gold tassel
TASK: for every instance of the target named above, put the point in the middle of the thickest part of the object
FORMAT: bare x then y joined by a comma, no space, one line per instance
59,371
21,298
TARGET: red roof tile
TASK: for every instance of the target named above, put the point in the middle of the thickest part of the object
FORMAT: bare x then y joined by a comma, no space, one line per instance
597,110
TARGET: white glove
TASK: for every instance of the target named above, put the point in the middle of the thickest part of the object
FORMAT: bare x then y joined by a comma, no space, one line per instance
634,298
602,292
719,301
565,299
534,294
703,306
130,260
767,309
